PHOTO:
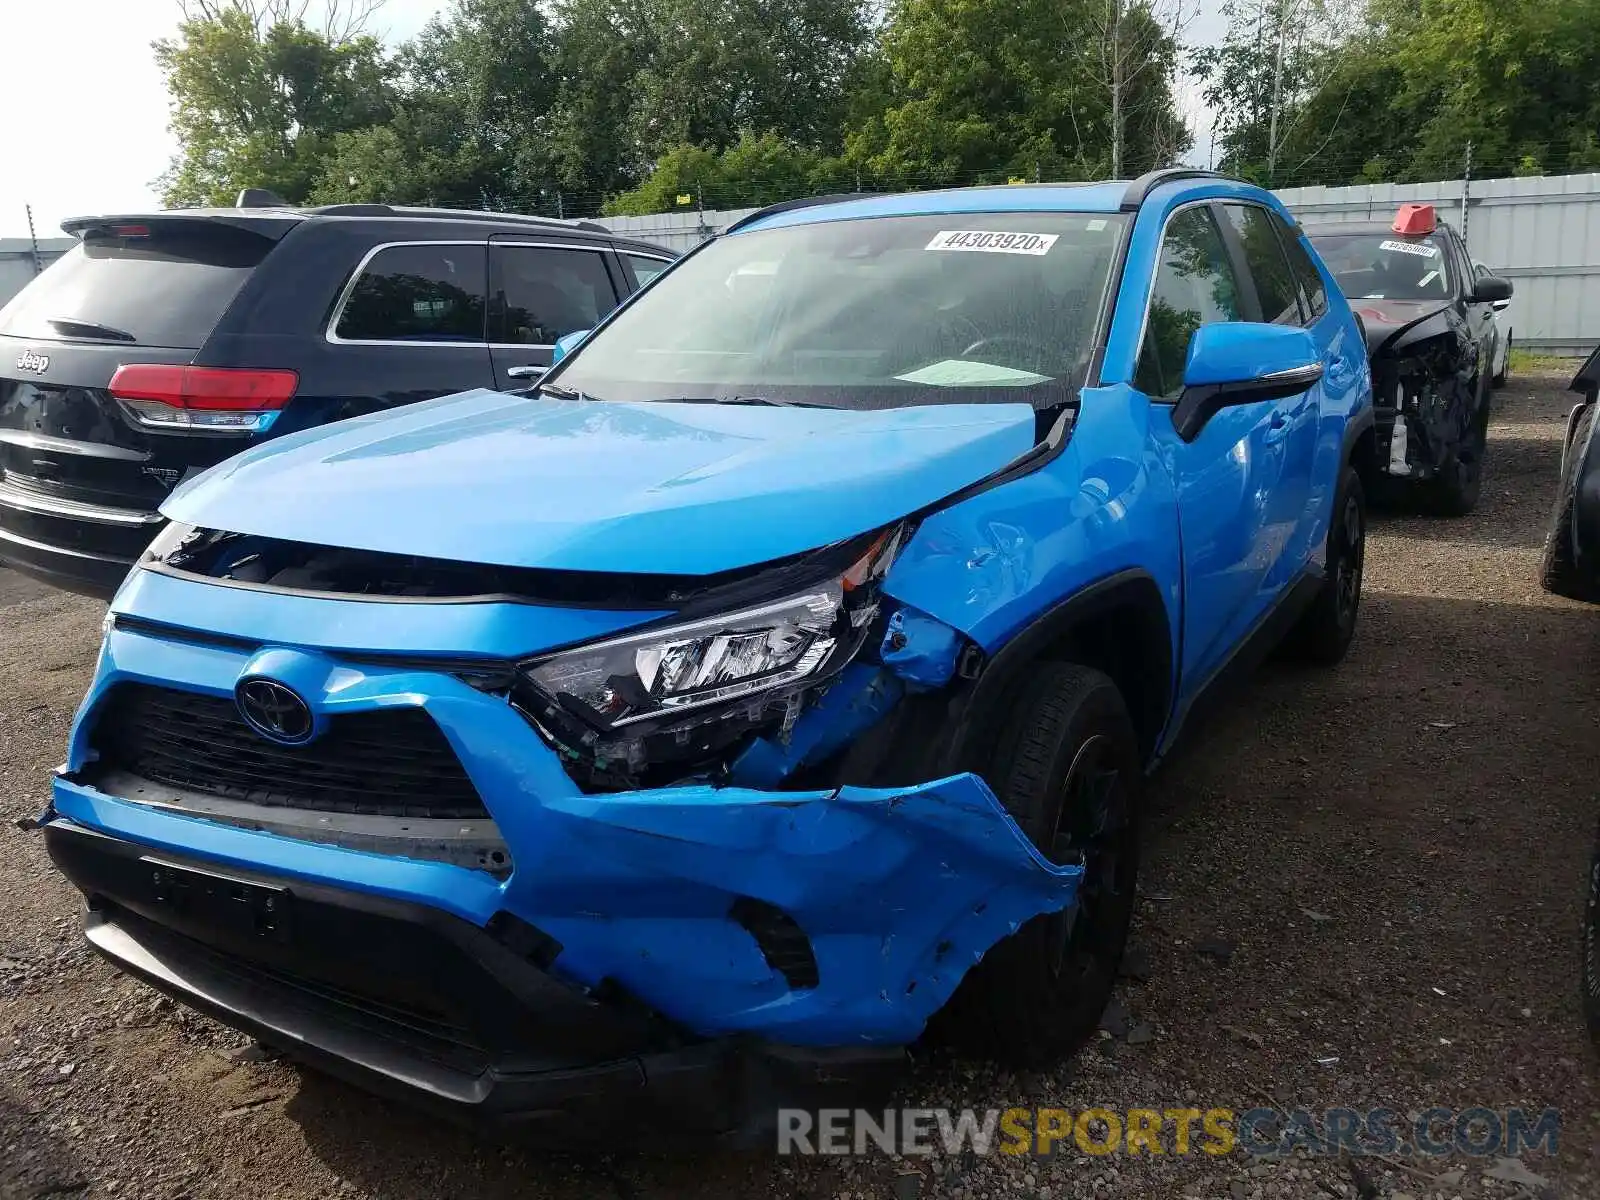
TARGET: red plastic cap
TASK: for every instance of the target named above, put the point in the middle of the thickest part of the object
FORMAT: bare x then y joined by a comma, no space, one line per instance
216,388
1414,218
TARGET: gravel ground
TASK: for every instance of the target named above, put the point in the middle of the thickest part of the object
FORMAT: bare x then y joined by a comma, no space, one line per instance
1380,865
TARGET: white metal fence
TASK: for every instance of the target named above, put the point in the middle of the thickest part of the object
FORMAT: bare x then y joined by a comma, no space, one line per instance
1543,233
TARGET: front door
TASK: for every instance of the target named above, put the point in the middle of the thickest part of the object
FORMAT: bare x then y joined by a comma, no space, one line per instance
538,292
1241,478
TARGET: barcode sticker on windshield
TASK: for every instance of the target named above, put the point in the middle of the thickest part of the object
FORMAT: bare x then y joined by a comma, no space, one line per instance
989,242
1420,249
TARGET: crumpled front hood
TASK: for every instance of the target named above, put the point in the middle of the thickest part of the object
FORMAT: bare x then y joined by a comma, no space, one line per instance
1382,319
524,481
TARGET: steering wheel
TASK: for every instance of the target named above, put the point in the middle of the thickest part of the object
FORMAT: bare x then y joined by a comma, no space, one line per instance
1033,351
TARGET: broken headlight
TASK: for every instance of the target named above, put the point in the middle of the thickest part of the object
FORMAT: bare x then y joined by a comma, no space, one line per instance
679,668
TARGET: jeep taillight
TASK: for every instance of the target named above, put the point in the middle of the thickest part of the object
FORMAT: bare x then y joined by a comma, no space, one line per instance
215,399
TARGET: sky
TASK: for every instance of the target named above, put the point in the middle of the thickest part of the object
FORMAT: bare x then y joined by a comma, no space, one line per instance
86,112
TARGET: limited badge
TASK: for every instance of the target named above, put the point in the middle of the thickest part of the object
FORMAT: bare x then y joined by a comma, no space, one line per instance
989,242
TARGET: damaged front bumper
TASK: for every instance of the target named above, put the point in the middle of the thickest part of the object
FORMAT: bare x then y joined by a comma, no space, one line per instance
689,920
1427,407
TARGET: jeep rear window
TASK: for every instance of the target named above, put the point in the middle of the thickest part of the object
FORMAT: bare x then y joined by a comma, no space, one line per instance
165,287
996,307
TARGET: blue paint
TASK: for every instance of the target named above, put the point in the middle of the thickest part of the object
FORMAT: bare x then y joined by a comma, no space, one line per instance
899,890
854,704
1086,198
1246,350
527,481
920,649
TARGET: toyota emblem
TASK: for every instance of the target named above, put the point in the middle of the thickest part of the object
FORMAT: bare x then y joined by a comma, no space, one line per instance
275,711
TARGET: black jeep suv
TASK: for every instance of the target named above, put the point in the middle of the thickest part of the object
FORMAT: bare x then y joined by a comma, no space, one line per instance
164,343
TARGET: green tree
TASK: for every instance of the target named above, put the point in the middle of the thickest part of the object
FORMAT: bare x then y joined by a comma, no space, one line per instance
984,89
1406,88
470,116
599,49
753,171
717,71
258,98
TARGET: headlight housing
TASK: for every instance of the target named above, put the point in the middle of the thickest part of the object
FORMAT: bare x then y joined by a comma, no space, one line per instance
679,692
684,667
679,668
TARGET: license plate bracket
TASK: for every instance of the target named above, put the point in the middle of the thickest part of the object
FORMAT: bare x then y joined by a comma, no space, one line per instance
239,906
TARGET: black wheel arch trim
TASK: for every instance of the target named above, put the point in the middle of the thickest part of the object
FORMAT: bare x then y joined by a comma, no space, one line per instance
1133,587
1359,423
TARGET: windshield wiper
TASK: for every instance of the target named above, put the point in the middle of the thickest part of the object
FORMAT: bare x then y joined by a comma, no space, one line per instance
765,401
561,393
73,327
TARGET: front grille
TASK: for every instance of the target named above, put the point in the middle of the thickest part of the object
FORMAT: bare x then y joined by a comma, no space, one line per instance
389,762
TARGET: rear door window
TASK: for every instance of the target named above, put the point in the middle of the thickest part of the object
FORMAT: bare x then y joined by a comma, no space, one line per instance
1276,286
1313,292
542,293
162,287
424,292
645,268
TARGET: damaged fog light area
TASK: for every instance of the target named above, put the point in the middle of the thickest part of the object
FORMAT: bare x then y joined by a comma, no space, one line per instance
675,702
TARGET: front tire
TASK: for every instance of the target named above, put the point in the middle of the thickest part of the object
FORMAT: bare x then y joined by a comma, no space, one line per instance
1323,633
1067,768
1558,568
1499,379
1460,482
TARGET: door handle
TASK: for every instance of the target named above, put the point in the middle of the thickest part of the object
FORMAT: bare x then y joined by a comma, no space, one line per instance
1276,428
528,372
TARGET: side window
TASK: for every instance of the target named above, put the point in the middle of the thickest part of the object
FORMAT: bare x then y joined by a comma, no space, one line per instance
1313,292
1276,287
422,293
1194,286
645,269
542,293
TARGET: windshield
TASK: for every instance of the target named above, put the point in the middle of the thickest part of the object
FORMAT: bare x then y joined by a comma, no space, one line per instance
866,314
1386,266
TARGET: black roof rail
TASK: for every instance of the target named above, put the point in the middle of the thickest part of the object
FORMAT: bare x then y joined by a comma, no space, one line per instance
259,198
1141,187
784,206
422,213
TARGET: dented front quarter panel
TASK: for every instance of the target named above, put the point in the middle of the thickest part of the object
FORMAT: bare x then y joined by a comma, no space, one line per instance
990,564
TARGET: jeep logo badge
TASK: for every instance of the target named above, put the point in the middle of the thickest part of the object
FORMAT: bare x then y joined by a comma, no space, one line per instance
29,361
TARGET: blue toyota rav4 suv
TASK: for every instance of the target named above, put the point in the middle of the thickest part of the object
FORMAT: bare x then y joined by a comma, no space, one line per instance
774,684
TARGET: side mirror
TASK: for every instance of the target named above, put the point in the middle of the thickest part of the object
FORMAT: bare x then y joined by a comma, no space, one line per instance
1242,362
1491,288
566,345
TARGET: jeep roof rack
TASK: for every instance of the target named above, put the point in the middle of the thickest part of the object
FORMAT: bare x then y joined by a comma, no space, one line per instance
405,210
1141,187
